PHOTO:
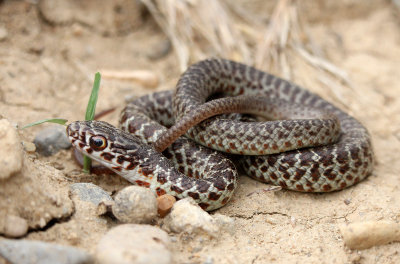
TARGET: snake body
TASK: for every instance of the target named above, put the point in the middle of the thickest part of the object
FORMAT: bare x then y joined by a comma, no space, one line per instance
325,149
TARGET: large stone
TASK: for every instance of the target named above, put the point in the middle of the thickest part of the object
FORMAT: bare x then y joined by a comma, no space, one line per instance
37,194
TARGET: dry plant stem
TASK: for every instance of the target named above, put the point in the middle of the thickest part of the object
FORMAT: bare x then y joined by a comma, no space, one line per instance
198,28
285,38
146,78
276,36
322,63
364,235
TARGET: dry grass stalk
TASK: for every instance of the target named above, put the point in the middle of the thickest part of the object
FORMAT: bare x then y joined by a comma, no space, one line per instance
275,38
146,78
201,28
284,38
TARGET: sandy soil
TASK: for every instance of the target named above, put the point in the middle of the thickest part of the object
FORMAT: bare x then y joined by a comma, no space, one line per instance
47,67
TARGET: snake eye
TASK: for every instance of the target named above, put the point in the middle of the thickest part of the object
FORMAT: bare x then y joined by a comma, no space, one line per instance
98,143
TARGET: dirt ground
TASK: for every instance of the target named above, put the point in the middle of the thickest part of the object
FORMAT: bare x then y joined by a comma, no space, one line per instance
47,68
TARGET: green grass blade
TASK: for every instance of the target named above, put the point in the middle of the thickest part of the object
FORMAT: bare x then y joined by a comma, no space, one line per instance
90,112
91,108
48,120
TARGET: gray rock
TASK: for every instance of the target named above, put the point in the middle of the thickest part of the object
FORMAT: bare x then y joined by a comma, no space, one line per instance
132,243
31,252
11,155
89,192
50,140
135,204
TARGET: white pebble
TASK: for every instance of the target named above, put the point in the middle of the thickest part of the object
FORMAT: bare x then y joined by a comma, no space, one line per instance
42,222
135,204
132,243
371,233
15,226
11,155
186,216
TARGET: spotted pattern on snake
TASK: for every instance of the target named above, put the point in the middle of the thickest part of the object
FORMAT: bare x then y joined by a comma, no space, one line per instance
208,176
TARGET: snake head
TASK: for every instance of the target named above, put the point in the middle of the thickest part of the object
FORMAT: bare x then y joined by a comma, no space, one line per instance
104,143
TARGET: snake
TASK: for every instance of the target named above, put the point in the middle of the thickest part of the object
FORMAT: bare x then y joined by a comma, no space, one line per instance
223,114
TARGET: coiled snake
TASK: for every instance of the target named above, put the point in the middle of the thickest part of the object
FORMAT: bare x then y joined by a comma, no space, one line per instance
319,149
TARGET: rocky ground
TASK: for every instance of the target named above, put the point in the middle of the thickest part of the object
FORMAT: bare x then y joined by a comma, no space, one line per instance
52,212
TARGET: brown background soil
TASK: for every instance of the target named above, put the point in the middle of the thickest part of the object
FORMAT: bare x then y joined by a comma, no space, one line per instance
47,67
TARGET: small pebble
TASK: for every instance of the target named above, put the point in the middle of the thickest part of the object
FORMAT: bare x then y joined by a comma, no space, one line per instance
209,260
15,226
89,192
347,201
272,220
104,207
135,204
3,33
77,29
160,50
165,203
364,235
36,48
29,146
293,221
58,165
50,140
11,155
35,252
42,222
131,243
186,216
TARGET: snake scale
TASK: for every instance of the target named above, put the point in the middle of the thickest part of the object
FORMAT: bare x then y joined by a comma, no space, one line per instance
306,144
